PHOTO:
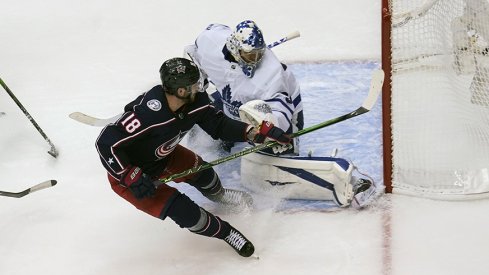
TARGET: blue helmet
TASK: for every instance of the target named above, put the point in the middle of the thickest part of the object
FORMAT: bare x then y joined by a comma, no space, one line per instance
247,46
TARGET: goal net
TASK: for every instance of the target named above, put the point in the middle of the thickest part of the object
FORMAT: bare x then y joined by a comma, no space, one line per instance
435,53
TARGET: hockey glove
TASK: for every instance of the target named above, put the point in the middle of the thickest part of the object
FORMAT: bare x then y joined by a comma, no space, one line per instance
140,184
268,130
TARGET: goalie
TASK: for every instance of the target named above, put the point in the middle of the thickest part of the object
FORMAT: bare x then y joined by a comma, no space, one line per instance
471,48
254,86
241,68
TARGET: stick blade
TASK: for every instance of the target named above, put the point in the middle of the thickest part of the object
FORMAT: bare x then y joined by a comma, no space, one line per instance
375,89
43,185
293,35
37,187
92,121
85,119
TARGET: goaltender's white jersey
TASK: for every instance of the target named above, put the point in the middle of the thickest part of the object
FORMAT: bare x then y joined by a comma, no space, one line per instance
272,82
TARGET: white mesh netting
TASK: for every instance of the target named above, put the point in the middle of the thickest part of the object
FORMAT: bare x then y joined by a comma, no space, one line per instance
440,98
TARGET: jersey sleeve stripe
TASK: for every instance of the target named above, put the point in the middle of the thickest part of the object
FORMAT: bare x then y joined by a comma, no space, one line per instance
285,115
297,100
281,102
201,108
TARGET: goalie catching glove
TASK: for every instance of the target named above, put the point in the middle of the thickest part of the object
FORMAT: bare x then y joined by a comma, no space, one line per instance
140,184
268,130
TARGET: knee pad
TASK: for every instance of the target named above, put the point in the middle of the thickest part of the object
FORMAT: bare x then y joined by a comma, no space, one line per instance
207,182
184,212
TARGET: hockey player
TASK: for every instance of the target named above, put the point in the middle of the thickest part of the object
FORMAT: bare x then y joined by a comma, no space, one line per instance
143,146
244,70
471,48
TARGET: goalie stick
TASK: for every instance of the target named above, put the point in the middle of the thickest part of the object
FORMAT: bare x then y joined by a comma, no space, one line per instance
290,36
374,91
53,152
101,122
34,188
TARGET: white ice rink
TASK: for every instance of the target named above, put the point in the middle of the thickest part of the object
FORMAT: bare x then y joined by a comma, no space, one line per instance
61,56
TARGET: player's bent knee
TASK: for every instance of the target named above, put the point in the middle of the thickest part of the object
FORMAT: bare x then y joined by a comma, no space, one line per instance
205,181
184,211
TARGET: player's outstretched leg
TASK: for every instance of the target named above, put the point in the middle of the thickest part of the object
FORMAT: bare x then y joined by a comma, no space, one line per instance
209,184
188,214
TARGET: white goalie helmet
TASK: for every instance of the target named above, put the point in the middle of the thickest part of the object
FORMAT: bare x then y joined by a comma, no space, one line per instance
247,46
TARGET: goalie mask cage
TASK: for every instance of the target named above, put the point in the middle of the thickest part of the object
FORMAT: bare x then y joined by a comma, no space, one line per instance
436,98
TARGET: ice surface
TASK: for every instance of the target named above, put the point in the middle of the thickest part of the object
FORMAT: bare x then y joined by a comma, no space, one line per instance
93,56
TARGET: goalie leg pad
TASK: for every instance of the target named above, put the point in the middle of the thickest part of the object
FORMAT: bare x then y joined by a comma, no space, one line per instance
313,178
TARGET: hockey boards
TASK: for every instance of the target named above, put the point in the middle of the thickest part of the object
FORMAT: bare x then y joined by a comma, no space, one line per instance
37,187
93,121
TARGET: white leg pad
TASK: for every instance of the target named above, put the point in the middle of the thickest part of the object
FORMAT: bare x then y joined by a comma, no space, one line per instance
313,178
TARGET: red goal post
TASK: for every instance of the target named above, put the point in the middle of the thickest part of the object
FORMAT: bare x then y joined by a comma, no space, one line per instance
436,98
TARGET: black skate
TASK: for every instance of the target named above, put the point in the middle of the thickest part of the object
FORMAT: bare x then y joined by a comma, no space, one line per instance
239,243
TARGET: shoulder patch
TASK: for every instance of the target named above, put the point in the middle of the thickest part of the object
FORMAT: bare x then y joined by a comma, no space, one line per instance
154,104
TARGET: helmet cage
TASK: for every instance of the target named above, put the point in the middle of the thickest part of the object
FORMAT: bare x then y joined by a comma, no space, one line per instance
247,46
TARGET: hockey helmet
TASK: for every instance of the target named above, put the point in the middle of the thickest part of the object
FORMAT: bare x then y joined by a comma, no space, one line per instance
178,73
247,46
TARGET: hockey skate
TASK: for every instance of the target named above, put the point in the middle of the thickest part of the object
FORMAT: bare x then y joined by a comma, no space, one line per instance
239,243
361,185
233,197
364,193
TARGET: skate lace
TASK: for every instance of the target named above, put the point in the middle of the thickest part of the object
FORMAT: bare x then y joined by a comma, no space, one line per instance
232,196
235,239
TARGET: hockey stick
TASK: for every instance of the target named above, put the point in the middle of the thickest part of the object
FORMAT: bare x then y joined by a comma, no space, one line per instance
290,36
373,94
53,152
34,188
93,121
